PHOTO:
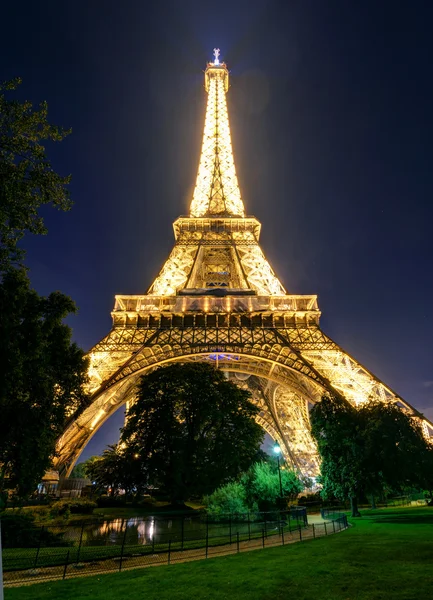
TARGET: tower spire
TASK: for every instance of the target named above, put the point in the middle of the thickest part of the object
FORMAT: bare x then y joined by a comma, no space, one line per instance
217,191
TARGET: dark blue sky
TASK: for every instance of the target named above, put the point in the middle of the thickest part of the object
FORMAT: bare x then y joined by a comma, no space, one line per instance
331,118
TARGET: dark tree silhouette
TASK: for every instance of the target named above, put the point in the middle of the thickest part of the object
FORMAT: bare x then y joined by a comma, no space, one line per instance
191,429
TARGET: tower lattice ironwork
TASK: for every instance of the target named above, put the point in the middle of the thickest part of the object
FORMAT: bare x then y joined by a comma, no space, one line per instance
218,299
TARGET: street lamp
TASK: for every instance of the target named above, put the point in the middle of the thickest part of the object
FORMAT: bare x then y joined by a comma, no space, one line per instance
277,451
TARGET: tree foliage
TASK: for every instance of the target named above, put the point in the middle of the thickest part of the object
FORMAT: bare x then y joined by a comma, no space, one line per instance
81,470
42,375
27,179
117,469
366,450
191,429
227,499
262,485
257,489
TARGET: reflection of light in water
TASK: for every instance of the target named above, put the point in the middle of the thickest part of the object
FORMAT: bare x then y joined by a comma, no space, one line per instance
137,530
111,527
151,529
141,531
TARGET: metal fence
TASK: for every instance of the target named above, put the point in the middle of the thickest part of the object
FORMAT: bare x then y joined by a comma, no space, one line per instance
332,512
100,547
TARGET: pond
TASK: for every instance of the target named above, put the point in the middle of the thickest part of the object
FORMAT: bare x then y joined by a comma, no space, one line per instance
155,530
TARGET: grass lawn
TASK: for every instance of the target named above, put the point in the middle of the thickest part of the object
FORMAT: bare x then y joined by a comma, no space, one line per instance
387,554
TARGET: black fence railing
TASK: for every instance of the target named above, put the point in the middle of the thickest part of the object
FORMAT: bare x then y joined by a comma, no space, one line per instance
98,547
331,512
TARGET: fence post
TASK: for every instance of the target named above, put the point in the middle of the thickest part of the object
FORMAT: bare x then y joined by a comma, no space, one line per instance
123,546
333,525
249,527
79,545
153,537
326,531
230,525
169,551
263,537
183,530
237,540
300,533
39,547
282,534
207,542
66,565
314,532
266,527
290,527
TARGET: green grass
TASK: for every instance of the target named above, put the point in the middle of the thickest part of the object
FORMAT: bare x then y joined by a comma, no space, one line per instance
15,559
387,554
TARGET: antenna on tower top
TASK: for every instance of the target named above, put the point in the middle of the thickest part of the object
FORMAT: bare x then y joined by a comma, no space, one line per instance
216,53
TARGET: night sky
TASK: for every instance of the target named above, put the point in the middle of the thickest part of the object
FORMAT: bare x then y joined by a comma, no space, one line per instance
330,109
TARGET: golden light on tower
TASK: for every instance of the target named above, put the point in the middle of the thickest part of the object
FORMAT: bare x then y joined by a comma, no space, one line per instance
216,191
240,262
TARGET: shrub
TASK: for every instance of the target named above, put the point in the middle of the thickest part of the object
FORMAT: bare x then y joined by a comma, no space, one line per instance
226,500
19,531
76,506
111,501
262,485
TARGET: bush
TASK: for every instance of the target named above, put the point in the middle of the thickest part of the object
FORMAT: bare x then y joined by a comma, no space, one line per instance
227,500
111,501
262,485
76,506
19,531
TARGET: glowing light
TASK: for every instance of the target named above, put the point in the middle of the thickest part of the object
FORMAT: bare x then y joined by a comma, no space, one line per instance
277,449
97,418
216,53
217,194
152,529
222,356
216,190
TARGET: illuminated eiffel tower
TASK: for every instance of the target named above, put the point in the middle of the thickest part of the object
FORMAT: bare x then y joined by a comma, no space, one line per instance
217,299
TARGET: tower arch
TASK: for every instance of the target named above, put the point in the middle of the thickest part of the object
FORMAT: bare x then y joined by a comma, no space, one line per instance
281,393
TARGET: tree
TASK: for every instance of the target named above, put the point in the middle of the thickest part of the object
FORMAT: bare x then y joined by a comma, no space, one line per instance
42,377
365,450
192,429
335,425
257,489
27,179
81,470
426,472
117,469
395,448
262,485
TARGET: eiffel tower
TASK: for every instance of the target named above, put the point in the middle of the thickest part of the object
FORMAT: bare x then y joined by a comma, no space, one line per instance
217,299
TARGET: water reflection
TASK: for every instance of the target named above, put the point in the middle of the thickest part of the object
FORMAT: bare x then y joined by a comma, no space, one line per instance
153,530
